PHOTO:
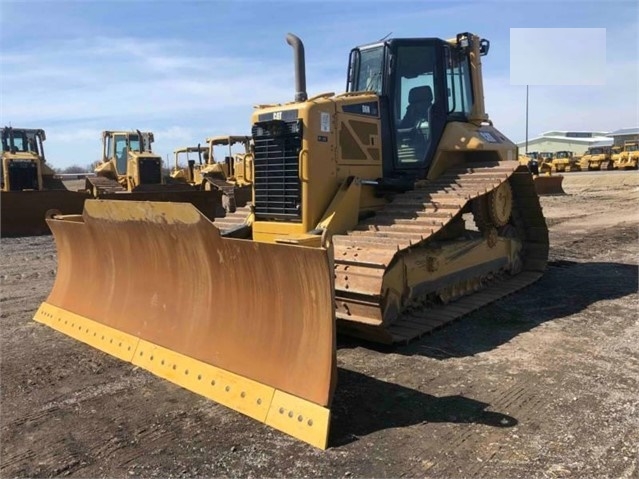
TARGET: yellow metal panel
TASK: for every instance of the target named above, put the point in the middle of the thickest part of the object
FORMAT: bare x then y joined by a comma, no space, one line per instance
299,418
342,213
267,232
116,343
236,392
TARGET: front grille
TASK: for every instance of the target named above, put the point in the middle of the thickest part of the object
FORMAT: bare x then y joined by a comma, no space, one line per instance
276,170
23,175
150,170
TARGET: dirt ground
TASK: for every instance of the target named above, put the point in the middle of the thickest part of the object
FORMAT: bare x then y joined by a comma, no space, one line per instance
544,383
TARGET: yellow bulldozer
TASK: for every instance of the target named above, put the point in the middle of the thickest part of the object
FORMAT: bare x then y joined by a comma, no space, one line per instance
541,167
30,188
561,161
386,211
130,170
545,162
626,158
597,158
231,177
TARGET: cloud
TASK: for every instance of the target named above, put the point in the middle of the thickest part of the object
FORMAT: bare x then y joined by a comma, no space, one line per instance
186,85
138,79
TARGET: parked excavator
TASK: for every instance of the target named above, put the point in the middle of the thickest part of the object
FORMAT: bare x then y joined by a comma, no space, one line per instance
540,166
231,177
389,210
29,189
130,170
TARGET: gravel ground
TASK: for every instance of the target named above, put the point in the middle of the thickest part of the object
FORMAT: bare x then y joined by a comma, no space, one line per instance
541,384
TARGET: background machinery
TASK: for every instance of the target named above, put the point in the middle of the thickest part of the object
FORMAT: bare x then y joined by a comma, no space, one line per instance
545,162
129,170
626,157
597,158
561,161
540,166
29,187
389,210
231,176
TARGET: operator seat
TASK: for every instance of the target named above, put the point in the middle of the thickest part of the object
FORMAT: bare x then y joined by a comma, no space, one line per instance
412,134
420,100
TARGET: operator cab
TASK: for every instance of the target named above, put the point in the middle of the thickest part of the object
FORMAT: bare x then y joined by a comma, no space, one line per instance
117,146
19,140
422,84
21,151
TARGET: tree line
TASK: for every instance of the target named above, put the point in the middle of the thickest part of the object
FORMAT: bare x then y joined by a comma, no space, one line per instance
74,169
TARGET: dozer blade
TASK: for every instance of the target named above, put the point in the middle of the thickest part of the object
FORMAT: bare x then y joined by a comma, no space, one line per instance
549,184
249,325
23,213
208,202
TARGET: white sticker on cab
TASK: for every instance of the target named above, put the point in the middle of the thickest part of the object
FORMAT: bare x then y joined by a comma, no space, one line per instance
325,121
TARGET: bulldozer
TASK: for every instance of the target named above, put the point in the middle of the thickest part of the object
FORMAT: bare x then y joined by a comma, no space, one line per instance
129,170
597,158
626,158
561,161
30,190
386,212
545,162
231,177
540,166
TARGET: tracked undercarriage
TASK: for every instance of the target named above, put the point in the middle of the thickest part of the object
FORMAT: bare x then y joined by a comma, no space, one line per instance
420,242
398,273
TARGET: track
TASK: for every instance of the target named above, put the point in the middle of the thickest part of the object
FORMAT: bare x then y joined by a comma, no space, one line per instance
416,218
233,220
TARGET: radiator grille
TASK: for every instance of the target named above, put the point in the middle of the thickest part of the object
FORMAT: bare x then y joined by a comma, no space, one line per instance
276,166
150,170
23,175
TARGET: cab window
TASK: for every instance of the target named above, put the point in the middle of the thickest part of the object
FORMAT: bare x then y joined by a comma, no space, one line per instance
370,70
120,153
413,99
460,98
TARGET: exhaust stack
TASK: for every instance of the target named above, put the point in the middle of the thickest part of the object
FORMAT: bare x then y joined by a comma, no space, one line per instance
300,66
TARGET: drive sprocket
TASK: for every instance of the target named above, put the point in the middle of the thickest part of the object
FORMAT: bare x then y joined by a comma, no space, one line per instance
500,204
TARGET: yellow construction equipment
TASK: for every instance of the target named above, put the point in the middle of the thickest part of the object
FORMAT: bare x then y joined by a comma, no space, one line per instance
389,210
545,162
29,186
231,177
574,163
561,161
129,170
540,166
597,158
626,158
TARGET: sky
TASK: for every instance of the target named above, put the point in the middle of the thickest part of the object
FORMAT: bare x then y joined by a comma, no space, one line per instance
187,70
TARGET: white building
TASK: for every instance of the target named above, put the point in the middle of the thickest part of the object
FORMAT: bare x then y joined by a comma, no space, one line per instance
575,141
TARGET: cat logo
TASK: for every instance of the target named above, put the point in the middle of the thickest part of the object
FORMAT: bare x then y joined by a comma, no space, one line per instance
277,115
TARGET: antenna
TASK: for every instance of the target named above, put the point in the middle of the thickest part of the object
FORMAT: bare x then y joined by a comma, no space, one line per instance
384,38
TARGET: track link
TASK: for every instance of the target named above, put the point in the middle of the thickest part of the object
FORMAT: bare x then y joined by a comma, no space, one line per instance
102,185
415,218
